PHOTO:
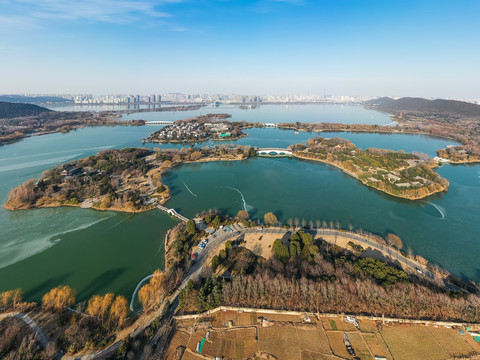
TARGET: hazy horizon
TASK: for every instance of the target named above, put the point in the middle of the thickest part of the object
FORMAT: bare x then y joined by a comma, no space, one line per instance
373,48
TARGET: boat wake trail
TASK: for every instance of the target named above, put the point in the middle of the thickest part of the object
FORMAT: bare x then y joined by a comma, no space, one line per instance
138,288
395,216
440,209
243,198
190,191
118,223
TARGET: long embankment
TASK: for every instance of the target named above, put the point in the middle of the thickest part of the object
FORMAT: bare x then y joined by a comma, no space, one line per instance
386,191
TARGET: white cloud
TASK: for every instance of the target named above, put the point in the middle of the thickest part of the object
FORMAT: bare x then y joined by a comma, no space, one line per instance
17,22
112,11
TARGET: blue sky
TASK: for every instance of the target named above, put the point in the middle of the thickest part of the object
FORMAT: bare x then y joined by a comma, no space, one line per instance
396,48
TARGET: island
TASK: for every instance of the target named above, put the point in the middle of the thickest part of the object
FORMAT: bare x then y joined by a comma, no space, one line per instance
201,128
394,172
128,180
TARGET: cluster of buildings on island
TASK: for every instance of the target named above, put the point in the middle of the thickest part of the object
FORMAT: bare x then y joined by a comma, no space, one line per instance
193,131
182,131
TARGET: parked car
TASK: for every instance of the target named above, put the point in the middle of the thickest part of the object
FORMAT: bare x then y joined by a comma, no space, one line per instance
194,256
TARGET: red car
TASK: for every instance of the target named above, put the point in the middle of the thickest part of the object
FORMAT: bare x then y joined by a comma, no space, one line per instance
194,256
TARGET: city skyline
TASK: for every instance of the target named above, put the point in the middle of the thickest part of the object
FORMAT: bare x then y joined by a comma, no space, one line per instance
407,48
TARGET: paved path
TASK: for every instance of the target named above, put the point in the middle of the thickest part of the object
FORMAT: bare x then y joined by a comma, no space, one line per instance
413,265
42,339
216,239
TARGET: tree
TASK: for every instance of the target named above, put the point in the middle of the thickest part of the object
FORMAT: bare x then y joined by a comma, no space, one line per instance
99,306
10,298
270,218
280,250
59,298
195,155
191,227
215,222
295,249
228,247
208,219
242,215
306,238
119,310
22,195
152,293
394,240
222,254
215,262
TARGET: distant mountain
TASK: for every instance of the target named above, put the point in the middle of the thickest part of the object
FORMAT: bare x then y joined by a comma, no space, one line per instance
10,110
425,107
34,99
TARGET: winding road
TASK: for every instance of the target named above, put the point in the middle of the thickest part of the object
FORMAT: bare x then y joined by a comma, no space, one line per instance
215,239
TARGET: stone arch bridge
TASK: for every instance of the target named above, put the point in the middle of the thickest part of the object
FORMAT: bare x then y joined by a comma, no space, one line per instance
274,152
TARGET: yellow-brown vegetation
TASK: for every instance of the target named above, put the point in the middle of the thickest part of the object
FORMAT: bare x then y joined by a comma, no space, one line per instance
59,298
152,293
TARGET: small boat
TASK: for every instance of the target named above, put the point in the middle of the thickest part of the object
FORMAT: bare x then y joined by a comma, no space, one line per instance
296,132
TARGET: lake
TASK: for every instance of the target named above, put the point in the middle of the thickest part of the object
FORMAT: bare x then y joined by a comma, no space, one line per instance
96,252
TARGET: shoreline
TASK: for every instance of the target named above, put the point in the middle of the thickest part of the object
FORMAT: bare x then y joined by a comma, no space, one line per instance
7,141
377,131
6,207
126,210
364,183
220,159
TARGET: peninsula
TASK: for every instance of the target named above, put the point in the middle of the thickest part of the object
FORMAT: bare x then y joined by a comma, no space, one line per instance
394,172
127,180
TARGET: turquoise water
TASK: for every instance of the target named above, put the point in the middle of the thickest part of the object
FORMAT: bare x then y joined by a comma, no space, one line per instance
90,250
95,251
443,228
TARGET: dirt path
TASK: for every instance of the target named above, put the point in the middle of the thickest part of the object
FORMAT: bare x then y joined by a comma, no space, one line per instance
42,339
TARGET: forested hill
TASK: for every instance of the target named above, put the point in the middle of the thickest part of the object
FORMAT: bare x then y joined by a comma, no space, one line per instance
12,110
427,107
34,99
